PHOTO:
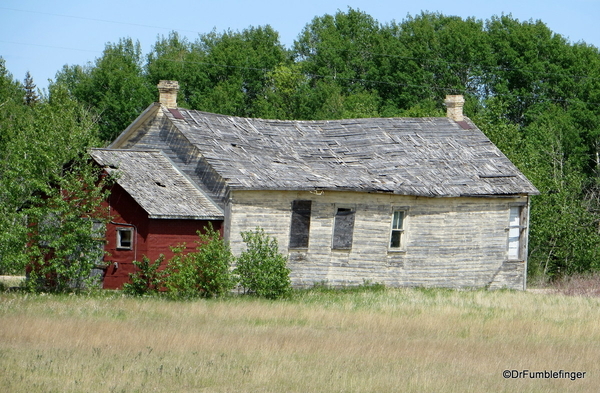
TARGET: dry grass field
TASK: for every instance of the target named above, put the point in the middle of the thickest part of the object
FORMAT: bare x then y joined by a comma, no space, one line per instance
409,340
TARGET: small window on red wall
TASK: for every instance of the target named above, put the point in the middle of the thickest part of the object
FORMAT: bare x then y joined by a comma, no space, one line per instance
124,238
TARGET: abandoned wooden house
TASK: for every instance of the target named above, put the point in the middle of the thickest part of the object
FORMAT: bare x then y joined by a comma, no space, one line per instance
398,201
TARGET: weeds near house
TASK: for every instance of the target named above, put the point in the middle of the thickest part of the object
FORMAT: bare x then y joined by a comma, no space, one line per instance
578,285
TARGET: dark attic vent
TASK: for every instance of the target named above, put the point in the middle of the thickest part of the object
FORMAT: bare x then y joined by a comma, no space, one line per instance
176,114
159,184
464,125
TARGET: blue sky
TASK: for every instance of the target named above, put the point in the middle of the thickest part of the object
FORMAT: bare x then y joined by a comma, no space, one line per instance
41,36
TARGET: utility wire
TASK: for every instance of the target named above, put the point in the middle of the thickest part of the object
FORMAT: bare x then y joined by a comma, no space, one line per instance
95,20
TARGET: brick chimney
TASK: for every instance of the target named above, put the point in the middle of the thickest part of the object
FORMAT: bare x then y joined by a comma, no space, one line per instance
167,93
454,107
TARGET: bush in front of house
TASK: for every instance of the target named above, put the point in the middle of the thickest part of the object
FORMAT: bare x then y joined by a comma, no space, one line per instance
261,269
203,273
206,272
147,279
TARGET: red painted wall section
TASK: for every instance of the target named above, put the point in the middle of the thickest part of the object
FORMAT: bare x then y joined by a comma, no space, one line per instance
151,237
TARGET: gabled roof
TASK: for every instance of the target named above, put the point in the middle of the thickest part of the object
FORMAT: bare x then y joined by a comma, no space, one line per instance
436,157
156,184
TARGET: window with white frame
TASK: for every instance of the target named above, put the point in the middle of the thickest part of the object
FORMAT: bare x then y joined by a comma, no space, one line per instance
125,238
516,230
397,230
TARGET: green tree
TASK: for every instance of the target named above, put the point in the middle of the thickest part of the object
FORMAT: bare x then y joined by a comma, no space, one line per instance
219,72
341,47
31,95
442,55
66,231
50,195
115,86
14,190
563,237
285,95
172,58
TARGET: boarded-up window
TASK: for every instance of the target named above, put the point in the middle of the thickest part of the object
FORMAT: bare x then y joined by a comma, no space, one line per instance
397,229
300,227
515,231
343,228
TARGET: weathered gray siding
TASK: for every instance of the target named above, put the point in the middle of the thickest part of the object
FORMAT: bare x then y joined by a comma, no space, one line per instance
449,242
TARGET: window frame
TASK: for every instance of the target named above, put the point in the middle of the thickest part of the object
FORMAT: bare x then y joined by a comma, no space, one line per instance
402,242
521,227
120,245
343,241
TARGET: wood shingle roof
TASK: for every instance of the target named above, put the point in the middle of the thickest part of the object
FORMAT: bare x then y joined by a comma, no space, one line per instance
434,157
152,180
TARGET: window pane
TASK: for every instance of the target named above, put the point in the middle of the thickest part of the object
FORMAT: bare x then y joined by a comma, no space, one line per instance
515,216
124,238
398,220
396,236
514,233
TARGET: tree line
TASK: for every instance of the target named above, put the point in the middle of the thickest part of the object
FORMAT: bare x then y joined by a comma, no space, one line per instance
535,95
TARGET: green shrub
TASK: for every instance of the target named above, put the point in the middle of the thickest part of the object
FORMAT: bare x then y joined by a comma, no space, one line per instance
147,279
203,273
261,268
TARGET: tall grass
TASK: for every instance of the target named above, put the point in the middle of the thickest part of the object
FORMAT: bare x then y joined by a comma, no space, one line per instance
414,340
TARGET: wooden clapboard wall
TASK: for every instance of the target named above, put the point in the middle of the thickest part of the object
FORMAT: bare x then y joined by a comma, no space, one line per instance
448,242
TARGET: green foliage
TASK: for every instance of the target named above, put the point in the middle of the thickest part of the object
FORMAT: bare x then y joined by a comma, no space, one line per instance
31,95
203,273
114,87
261,268
147,279
66,232
563,237
50,199
220,72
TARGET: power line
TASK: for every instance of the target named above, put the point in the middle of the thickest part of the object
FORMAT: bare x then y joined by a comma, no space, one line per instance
49,46
96,20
